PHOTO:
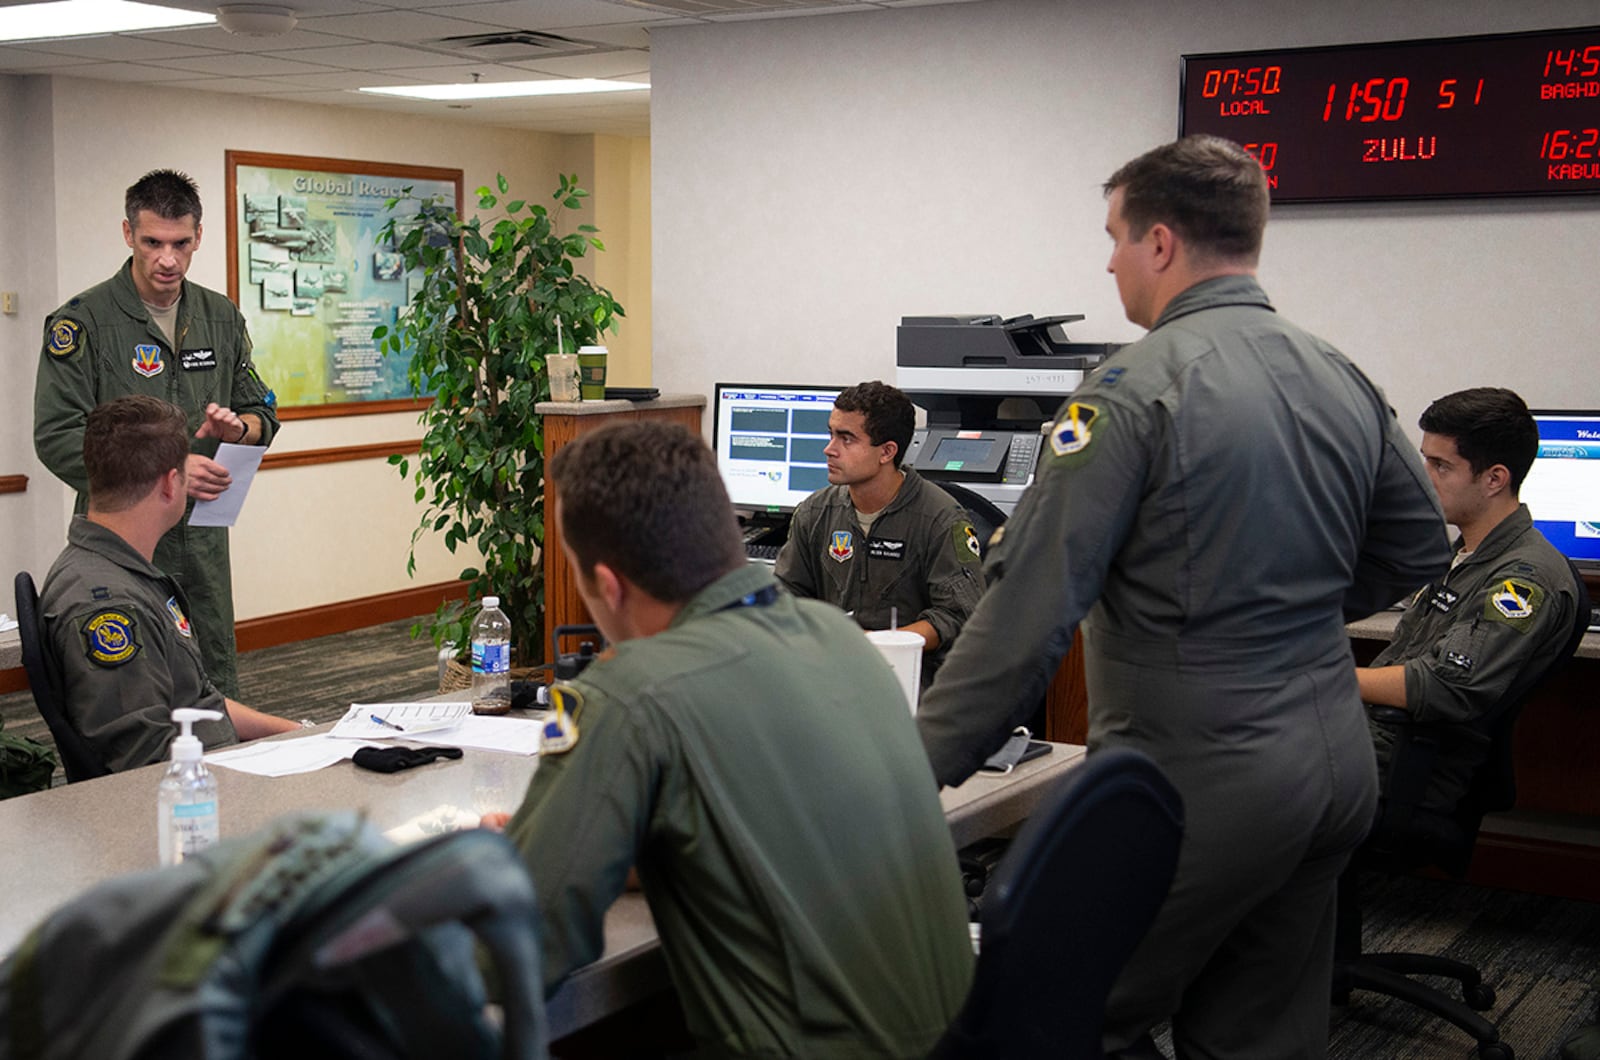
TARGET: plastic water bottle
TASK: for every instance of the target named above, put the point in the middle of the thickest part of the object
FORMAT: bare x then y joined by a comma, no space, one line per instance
186,807
491,659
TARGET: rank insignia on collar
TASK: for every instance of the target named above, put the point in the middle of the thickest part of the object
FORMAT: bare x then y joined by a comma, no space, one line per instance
65,337
179,619
1073,431
147,359
840,548
109,638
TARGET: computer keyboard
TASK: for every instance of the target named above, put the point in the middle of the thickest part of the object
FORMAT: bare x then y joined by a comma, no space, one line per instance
765,553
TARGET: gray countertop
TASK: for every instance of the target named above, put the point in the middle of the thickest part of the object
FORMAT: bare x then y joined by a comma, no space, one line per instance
1381,627
601,408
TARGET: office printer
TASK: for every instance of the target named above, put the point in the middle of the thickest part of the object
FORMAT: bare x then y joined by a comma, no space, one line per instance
988,385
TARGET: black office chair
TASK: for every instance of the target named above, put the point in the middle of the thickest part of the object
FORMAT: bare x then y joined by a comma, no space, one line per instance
77,760
1068,903
986,516
1408,836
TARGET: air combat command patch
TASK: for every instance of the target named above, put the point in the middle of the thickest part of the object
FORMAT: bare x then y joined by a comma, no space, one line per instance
1514,602
179,619
1074,430
66,335
147,359
840,547
109,638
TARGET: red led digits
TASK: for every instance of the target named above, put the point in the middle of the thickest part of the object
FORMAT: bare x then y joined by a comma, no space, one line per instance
1570,143
1499,114
1572,62
1248,81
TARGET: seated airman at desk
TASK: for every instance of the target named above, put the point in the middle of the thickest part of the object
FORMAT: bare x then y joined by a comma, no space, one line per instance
118,628
1502,611
750,754
880,541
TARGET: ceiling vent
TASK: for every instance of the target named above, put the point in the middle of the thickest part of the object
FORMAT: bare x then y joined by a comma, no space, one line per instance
513,46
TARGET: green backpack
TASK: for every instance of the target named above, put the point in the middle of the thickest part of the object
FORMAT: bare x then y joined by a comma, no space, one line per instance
316,937
26,765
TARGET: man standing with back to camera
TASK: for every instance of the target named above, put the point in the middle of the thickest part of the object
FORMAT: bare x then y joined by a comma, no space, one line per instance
1217,500
147,330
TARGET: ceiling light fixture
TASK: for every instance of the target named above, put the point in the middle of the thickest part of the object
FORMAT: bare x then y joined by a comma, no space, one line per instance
508,89
90,18
256,20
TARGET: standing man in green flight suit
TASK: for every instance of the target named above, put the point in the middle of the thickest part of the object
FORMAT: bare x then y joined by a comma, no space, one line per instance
148,330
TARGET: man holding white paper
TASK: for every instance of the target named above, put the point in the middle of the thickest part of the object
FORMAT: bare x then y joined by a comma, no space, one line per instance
118,628
148,330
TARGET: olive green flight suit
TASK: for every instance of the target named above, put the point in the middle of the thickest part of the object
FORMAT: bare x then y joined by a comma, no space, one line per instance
756,762
1502,613
1216,500
120,633
103,345
920,562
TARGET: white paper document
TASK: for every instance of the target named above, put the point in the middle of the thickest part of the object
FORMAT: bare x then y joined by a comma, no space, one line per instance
282,758
242,461
398,721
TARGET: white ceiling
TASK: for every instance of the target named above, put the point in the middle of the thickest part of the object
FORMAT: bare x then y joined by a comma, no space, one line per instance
341,45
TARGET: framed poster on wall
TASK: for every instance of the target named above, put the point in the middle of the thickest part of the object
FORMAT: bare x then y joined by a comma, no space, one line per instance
308,268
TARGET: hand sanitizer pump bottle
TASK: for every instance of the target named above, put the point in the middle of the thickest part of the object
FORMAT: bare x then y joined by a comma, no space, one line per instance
186,816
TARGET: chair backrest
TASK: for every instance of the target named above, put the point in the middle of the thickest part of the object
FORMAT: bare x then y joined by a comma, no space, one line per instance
986,516
1069,902
77,759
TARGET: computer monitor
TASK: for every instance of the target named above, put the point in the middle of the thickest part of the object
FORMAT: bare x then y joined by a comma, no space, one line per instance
769,439
1562,489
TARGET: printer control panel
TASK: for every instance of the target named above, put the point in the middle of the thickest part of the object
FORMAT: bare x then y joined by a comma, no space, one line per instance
1004,457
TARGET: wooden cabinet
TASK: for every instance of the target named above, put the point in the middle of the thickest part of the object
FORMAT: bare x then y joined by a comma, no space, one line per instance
564,423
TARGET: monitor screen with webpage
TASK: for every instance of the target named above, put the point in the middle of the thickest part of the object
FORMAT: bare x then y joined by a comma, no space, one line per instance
1562,489
769,439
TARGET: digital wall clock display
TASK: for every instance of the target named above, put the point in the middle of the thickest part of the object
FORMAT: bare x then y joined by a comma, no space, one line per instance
1514,114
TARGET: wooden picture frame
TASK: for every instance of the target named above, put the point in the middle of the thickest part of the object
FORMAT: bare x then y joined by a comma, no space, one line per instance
307,269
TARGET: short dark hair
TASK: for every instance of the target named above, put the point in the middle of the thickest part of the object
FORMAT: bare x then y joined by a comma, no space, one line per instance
646,500
129,444
165,193
1208,190
1490,425
888,413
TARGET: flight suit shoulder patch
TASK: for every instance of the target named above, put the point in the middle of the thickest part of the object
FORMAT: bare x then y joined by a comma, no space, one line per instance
969,550
110,638
1514,602
1072,434
65,338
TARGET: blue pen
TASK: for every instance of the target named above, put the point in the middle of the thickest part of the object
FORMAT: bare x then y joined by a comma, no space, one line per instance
387,724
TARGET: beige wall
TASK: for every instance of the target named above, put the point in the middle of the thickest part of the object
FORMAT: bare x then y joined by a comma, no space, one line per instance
68,149
948,159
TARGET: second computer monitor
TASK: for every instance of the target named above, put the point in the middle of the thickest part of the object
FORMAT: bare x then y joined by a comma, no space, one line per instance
769,439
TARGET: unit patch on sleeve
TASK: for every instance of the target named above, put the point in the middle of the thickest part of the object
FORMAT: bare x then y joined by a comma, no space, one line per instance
1514,602
109,638
66,335
968,547
1074,430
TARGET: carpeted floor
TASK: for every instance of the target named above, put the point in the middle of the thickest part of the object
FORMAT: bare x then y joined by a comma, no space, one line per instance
1541,954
